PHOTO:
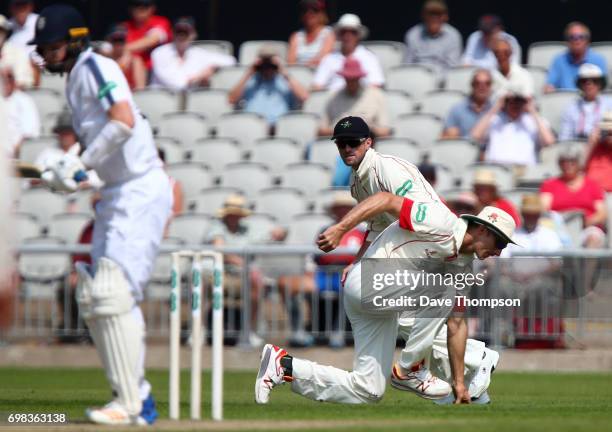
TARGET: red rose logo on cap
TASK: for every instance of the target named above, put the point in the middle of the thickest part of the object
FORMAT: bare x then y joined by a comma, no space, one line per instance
493,217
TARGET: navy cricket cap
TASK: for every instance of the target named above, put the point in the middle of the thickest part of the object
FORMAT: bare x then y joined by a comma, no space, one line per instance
59,22
351,127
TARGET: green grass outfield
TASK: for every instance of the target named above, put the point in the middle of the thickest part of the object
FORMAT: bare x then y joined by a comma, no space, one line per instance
521,402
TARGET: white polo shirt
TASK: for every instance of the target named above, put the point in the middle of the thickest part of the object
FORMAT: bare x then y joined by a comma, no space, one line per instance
23,34
512,142
326,75
94,85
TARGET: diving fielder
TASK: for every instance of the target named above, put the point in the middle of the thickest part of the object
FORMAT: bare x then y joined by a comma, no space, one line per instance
130,217
422,228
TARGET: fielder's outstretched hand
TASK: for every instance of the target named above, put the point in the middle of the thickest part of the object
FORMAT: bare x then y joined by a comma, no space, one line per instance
65,174
330,238
462,395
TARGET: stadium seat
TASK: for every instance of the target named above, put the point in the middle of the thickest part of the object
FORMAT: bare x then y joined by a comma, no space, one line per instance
191,228
317,102
306,176
260,223
282,203
173,150
249,49
55,82
214,152
305,228
503,175
390,53
542,53
275,153
516,195
218,46
552,106
246,128
459,78
210,200
400,147
186,127
26,227
193,177
445,179
440,102
42,272
323,151
302,74
456,154
211,103
549,155
538,75
534,175
47,123
324,197
80,202
69,226
414,79
227,77
42,203
301,127
32,147
605,49
155,102
249,176
46,100
398,103
424,129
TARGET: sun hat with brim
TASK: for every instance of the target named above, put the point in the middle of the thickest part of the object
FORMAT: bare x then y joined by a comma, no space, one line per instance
234,205
590,71
496,220
351,21
531,203
352,69
485,177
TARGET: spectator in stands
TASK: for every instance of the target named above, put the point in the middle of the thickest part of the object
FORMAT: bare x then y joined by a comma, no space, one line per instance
23,21
145,30
563,70
350,32
508,73
486,190
66,140
573,191
179,65
512,130
22,116
479,50
580,118
464,116
434,41
14,56
429,172
132,66
464,202
310,44
357,100
267,89
599,154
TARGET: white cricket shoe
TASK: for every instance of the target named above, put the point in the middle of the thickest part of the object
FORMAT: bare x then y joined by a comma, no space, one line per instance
421,382
112,413
482,378
271,373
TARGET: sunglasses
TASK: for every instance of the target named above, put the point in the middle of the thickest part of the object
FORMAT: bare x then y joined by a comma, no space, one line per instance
353,31
577,37
483,83
587,80
352,143
502,52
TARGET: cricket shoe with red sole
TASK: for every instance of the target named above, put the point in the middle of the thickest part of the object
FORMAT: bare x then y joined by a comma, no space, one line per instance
420,381
482,378
271,372
112,413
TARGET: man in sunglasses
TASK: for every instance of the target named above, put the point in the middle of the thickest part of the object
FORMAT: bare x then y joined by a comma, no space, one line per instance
563,70
426,230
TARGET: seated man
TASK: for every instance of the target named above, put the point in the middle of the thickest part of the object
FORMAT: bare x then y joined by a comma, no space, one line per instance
179,65
267,89
508,74
478,49
356,99
145,30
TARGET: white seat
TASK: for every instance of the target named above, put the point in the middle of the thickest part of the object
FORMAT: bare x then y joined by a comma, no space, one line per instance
389,53
456,154
261,223
173,150
42,273
26,227
246,128
299,126
46,100
424,129
401,147
32,147
549,155
317,102
249,49
282,203
193,177
218,46
69,226
552,106
503,176
214,152
324,197
398,103
308,177
413,79
459,78
302,74
323,151
48,122
445,180
55,82
275,153
210,200
41,203
542,53
186,127
515,196
191,228
248,176
538,75
211,103
439,103
155,102
536,174
605,49
227,77
80,202
305,228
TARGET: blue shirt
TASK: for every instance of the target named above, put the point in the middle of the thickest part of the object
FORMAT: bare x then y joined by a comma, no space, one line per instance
269,98
562,72
463,116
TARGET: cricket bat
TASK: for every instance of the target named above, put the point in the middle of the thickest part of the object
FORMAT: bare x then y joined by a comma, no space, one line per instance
26,169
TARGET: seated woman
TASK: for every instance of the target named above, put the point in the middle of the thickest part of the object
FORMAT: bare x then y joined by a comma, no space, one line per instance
310,44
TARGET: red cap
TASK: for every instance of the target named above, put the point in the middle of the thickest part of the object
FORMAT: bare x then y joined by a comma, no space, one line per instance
352,69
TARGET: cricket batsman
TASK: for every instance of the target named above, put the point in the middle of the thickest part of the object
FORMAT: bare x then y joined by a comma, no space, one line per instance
422,228
130,217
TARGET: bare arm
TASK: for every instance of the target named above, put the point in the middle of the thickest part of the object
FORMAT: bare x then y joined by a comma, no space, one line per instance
456,340
451,132
139,72
481,130
145,43
545,135
292,51
300,93
235,94
328,46
122,112
600,215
